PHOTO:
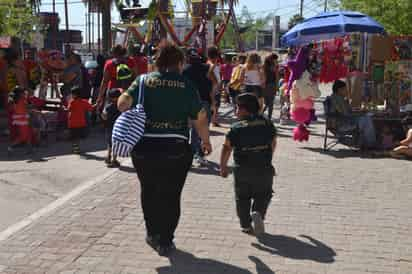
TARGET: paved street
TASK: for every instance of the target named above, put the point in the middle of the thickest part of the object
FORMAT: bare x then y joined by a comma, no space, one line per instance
30,182
336,212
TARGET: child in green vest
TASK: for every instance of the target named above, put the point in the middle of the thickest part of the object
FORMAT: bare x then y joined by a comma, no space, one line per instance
253,140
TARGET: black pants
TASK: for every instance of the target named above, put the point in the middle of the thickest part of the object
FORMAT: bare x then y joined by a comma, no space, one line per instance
162,166
253,191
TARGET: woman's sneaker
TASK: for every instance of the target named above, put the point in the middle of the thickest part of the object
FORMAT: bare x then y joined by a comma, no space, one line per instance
166,250
153,241
258,224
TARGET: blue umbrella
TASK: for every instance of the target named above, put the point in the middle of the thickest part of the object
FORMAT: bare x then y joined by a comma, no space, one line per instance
329,25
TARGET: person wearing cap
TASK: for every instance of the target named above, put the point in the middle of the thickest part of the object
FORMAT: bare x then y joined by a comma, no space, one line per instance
109,115
201,76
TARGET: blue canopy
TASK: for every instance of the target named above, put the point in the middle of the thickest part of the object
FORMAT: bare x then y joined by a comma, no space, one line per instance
329,25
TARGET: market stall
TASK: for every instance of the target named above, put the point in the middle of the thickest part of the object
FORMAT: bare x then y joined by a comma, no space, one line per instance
350,46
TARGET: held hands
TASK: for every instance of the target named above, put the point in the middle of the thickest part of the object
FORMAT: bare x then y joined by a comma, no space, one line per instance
224,171
206,148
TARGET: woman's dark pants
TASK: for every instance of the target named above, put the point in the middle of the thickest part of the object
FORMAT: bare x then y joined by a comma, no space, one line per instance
162,165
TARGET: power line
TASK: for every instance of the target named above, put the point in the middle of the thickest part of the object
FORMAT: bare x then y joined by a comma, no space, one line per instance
62,3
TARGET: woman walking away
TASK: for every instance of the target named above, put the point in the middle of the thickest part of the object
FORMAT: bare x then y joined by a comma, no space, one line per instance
271,82
163,157
253,77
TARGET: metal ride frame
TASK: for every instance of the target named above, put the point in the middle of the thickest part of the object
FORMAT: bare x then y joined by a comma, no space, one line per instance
199,29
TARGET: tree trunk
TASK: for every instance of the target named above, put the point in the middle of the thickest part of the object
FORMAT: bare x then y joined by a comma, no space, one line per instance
106,26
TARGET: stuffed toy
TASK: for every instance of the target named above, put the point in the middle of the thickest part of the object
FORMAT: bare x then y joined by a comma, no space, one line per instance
301,133
300,115
297,66
307,88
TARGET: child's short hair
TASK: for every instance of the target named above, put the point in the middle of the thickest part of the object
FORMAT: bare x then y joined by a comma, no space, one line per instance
76,91
337,85
114,93
248,102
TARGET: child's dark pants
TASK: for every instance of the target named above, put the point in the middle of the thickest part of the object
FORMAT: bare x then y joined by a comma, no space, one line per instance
253,190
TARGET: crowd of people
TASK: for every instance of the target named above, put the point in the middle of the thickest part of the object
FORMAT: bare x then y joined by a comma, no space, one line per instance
181,95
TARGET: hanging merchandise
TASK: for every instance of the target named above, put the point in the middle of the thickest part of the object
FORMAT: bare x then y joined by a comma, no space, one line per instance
301,134
307,88
298,65
335,59
302,113
402,48
355,63
380,48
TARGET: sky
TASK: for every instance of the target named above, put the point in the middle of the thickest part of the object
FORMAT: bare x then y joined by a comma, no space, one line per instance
257,7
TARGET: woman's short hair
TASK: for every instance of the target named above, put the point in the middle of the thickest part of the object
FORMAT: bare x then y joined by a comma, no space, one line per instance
169,56
248,102
337,85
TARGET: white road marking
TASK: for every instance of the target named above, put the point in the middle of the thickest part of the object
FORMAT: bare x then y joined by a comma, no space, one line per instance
5,234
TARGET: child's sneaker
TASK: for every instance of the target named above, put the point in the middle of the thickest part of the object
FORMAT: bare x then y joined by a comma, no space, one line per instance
258,224
247,230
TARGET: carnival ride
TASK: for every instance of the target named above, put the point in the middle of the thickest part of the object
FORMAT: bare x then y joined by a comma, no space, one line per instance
159,21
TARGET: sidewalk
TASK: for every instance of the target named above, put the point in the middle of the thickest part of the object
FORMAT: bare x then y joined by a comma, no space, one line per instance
332,213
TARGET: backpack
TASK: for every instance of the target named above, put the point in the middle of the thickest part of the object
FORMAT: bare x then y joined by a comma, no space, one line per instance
124,75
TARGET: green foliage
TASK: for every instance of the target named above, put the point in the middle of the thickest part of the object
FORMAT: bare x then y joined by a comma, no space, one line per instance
17,19
294,20
394,15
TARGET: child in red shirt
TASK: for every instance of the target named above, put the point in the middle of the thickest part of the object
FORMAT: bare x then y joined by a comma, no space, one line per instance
77,124
22,132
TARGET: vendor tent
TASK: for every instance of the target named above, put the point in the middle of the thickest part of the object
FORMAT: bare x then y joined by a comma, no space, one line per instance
329,25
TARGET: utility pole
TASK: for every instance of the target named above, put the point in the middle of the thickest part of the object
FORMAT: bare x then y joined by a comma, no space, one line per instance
276,32
89,27
326,5
94,48
56,24
301,8
67,34
98,30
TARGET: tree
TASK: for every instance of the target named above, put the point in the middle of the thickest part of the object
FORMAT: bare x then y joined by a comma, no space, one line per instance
17,20
394,15
294,20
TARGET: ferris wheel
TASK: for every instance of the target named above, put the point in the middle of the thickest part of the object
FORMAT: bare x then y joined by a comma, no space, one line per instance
188,25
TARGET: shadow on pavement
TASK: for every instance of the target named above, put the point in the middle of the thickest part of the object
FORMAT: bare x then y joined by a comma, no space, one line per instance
93,143
293,248
342,153
184,262
127,169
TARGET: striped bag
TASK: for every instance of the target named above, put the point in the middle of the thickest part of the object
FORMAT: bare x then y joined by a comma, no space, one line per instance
129,127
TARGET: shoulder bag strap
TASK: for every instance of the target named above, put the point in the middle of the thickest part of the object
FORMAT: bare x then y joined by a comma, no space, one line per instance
141,90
